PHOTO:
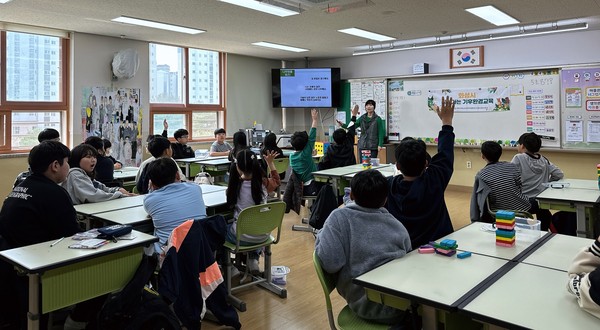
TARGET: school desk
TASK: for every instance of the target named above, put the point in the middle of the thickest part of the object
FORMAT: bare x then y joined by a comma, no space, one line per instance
190,169
60,276
126,173
530,297
387,171
558,251
135,216
573,199
432,280
335,175
89,209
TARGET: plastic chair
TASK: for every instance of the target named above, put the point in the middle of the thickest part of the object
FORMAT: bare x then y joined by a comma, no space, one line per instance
255,220
281,165
346,319
492,213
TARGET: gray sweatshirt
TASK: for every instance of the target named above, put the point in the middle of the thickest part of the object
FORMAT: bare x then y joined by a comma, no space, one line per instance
535,171
355,240
82,189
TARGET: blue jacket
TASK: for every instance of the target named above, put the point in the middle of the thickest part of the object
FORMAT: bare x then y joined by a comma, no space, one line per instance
420,204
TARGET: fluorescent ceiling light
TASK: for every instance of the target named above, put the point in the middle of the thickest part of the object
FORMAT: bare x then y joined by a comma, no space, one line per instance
156,25
492,15
366,34
262,6
5,1
278,46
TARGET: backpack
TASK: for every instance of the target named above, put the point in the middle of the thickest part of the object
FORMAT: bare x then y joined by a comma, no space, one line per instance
204,178
135,306
325,203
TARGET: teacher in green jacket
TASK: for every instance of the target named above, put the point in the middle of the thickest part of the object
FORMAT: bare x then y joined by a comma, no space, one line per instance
372,131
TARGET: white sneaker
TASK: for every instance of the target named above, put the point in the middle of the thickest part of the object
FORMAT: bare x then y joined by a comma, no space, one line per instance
73,325
253,266
235,272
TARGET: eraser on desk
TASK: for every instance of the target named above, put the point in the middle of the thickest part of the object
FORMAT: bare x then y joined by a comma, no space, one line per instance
426,249
463,255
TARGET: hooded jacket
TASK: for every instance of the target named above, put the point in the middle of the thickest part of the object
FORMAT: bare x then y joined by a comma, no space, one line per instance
83,189
535,171
342,154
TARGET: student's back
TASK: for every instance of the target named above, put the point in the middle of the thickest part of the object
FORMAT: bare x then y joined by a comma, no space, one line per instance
416,197
535,169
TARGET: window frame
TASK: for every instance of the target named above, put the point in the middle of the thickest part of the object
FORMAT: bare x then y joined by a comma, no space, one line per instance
186,108
8,107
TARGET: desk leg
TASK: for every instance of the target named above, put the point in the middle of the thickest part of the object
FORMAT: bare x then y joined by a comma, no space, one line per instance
582,230
429,318
33,315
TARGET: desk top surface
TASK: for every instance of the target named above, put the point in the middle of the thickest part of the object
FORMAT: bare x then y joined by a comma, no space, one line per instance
128,216
474,239
570,194
434,279
214,199
125,172
531,297
579,183
194,159
38,257
558,252
213,161
207,188
387,171
111,205
341,171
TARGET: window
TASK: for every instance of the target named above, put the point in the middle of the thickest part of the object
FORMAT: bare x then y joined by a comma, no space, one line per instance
183,94
34,95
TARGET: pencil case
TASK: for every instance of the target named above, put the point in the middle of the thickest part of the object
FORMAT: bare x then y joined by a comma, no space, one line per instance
114,231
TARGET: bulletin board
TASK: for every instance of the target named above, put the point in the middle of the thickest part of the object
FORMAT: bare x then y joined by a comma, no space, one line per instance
581,107
491,106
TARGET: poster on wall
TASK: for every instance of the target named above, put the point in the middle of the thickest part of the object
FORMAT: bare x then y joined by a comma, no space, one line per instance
581,94
116,115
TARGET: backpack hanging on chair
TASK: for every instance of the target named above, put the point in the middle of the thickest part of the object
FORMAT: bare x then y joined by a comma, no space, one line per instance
204,178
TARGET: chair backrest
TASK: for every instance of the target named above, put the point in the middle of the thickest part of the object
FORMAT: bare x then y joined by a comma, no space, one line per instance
260,219
523,214
281,164
328,284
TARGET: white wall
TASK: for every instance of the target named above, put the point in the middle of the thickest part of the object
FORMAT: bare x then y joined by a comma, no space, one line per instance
248,95
552,50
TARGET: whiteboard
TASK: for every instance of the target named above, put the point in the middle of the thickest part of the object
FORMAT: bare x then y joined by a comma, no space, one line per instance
362,91
512,103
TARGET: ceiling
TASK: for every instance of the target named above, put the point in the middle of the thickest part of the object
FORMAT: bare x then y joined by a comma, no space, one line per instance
232,29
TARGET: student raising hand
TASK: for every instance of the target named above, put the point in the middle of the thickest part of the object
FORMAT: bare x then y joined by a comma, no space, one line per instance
446,112
314,115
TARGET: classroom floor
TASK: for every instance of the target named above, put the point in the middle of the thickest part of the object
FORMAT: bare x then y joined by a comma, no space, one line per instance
304,307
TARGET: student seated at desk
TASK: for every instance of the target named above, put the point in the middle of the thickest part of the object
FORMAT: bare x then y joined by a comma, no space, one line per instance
536,170
341,153
48,134
180,148
498,183
270,144
301,161
360,237
117,165
249,185
416,196
151,158
159,147
171,201
105,168
36,211
584,278
80,182
240,143
220,147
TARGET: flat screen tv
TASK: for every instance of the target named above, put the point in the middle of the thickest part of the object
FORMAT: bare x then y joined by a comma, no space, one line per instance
306,88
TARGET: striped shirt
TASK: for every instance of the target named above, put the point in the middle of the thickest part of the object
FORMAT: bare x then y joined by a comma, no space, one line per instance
504,180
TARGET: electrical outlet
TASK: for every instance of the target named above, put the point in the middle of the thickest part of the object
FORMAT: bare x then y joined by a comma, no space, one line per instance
469,164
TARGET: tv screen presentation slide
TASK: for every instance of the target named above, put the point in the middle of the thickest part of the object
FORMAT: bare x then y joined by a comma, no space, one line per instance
306,88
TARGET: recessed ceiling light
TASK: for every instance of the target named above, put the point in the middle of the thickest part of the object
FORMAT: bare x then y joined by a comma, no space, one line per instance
262,6
278,46
366,34
492,15
156,25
